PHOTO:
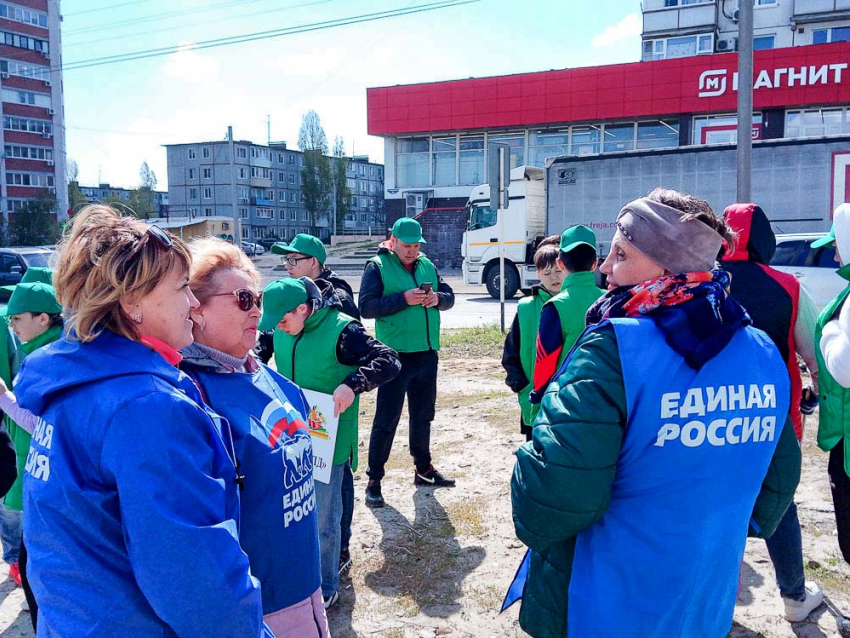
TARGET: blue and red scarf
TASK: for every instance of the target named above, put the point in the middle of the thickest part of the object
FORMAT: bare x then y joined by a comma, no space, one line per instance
693,310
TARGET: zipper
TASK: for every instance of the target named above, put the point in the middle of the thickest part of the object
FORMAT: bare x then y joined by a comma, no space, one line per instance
294,348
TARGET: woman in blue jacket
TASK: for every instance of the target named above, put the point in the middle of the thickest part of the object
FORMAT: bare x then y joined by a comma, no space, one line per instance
268,415
131,502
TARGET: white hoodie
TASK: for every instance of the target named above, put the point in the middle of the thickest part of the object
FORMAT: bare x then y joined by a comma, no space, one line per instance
835,340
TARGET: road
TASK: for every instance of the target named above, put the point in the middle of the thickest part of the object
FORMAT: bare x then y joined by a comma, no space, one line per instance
473,306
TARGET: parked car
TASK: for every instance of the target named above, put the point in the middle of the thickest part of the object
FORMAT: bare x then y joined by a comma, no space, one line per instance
15,261
814,268
269,242
252,249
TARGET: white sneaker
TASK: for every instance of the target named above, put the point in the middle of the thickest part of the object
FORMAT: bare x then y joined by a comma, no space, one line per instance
799,610
331,600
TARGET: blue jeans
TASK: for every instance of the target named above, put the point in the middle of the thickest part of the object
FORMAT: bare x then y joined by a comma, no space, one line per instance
11,524
786,552
347,507
329,510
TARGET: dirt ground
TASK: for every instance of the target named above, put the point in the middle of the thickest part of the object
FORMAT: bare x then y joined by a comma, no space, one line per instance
436,562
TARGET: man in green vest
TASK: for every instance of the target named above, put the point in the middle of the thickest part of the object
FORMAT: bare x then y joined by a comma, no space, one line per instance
322,349
563,318
402,291
520,351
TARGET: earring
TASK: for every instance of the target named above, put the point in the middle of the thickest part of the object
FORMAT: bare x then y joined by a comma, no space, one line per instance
137,317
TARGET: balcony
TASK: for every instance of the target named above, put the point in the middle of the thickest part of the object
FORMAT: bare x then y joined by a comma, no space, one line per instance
808,11
681,19
259,201
261,182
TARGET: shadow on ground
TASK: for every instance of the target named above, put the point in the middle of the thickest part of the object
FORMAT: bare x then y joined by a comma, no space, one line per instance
424,565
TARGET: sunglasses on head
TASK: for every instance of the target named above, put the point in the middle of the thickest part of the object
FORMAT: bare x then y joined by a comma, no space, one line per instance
155,233
245,298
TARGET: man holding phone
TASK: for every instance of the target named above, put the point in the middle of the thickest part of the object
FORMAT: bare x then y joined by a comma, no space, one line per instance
403,292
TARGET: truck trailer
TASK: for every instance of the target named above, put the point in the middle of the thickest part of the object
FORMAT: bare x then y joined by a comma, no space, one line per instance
798,183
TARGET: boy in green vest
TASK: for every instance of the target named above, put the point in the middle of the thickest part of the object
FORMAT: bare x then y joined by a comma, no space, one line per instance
519,353
562,319
322,349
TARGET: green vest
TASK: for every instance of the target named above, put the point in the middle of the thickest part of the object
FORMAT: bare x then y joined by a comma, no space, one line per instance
834,409
20,437
528,313
578,292
416,328
309,359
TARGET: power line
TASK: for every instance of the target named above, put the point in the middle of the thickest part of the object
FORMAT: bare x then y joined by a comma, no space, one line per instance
264,35
127,36
159,16
106,7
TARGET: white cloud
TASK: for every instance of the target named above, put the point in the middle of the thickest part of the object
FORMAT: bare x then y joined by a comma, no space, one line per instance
190,66
626,29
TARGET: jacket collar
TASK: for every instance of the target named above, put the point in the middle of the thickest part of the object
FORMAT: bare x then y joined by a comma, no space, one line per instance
584,278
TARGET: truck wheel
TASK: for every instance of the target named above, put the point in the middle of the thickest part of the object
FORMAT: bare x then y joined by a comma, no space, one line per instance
511,281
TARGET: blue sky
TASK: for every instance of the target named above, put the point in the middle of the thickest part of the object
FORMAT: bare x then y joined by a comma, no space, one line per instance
120,115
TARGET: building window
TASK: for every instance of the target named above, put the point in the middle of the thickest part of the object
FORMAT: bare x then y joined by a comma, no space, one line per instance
657,134
191,173
676,3
678,47
243,194
305,216
720,129
816,122
25,70
205,152
292,159
29,152
191,154
207,173
444,161
245,232
265,213
193,193
584,140
281,214
243,173
23,42
280,178
293,215
28,125
207,193
281,196
292,178
208,212
292,197
517,143
618,137
241,152
471,160
243,213
543,144
764,42
766,3
825,36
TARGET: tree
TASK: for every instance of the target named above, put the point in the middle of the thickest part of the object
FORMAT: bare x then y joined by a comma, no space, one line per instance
35,224
341,193
76,199
311,136
316,184
143,199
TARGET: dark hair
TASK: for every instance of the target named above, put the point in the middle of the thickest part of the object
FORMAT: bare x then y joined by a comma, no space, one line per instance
696,208
546,254
56,320
579,259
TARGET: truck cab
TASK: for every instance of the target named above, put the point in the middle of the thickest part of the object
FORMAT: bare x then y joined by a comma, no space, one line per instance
524,226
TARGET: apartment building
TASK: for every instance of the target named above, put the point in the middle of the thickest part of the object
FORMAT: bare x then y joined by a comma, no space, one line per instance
107,193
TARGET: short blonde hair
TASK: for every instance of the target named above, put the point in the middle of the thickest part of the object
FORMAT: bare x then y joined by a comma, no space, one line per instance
210,256
105,256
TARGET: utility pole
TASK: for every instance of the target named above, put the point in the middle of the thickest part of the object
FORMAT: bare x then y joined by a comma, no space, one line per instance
269,128
745,101
237,232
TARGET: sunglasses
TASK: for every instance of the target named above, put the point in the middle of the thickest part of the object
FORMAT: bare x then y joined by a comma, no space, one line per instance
162,238
293,261
245,298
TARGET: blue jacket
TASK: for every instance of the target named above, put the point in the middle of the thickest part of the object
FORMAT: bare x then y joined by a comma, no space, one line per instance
130,499
279,531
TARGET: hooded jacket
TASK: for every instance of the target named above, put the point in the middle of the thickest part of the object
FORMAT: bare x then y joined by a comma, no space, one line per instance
770,297
596,473
130,499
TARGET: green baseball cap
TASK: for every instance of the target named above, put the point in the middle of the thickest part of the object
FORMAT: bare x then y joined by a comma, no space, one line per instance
304,244
280,297
33,297
575,237
826,239
408,230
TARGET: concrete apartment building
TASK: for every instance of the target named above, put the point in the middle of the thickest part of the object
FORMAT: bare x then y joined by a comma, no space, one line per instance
33,133
264,181
107,193
680,28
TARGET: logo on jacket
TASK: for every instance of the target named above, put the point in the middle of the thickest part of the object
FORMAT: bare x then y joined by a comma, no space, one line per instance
279,419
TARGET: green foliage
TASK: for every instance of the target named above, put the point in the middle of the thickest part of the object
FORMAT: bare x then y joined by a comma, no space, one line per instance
35,224
143,199
481,341
316,184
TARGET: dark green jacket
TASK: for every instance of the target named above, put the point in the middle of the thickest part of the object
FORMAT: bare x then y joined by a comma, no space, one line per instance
563,478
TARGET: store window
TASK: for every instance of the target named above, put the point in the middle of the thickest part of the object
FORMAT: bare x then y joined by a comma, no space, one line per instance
445,161
721,129
471,160
584,140
543,144
516,141
816,123
412,161
657,134
618,137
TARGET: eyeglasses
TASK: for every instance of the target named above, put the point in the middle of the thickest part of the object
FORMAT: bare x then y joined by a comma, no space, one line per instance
293,261
245,298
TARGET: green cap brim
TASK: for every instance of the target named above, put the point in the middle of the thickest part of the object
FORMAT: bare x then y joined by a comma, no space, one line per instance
281,249
7,288
267,323
826,239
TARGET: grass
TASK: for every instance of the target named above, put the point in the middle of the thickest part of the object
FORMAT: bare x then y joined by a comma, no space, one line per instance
467,516
830,579
481,341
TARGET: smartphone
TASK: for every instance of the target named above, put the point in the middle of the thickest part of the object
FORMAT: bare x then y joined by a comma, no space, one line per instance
427,286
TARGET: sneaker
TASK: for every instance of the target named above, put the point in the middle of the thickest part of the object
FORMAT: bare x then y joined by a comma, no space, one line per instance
330,601
374,498
15,573
344,561
432,478
25,606
798,610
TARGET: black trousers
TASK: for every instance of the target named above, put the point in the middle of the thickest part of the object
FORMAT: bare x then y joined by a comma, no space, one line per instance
418,381
839,483
25,583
